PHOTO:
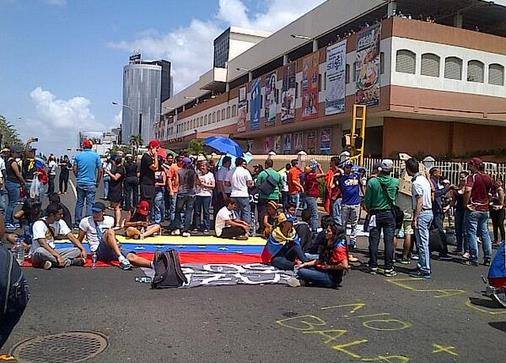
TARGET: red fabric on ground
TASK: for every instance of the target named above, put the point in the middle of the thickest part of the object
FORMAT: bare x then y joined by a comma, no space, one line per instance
187,258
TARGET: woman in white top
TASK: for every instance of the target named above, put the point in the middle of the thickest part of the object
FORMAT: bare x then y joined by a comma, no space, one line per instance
205,186
52,165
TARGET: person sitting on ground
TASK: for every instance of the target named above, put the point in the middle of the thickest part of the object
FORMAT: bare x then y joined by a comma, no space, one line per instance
44,252
228,225
328,269
303,229
137,225
270,218
30,213
320,237
67,216
291,211
98,230
283,245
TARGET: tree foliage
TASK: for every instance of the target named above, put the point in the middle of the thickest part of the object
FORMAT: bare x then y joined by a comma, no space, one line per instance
196,147
9,133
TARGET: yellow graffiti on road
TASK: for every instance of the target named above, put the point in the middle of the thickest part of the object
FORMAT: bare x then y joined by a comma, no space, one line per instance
444,349
408,282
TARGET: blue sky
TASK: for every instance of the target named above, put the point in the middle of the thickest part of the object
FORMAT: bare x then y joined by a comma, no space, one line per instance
61,60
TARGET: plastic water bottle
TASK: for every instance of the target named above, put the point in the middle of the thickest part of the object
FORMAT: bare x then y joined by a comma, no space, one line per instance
143,279
19,251
94,260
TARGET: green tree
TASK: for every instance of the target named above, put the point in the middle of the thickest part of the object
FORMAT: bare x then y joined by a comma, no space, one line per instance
136,142
9,134
196,147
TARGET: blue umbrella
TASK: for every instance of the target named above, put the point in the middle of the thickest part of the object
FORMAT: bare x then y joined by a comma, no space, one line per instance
224,145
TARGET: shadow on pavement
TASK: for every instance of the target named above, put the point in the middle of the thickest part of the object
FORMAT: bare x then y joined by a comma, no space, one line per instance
499,325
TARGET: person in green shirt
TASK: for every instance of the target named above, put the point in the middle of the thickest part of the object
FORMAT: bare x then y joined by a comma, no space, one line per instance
379,200
274,195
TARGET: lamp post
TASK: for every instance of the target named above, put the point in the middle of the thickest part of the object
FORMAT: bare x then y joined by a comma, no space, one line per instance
305,37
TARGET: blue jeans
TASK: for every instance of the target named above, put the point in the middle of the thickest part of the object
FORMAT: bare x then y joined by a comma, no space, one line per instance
13,192
202,204
476,225
84,192
244,208
317,277
285,258
183,203
3,203
295,199
422,239
336,211
106,187
158,209
384,221
312,204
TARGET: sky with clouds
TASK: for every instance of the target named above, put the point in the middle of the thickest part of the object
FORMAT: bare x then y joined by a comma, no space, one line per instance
62,61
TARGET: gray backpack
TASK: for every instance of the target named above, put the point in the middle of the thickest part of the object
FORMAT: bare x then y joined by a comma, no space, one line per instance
168,271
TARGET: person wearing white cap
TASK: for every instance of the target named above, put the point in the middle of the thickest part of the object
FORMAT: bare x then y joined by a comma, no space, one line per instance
379,201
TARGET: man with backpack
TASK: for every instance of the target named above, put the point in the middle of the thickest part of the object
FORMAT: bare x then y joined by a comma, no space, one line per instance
269,183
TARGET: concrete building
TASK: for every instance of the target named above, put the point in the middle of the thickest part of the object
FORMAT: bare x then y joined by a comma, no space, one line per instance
146,84
432,75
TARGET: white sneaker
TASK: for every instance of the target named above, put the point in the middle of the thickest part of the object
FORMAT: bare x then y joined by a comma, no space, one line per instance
293,282
466,256
175,232
125,265
186,234
47,265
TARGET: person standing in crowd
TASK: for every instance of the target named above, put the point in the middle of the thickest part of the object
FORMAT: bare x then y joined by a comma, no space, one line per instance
2,182
269,180
285,196
14,182
149,165
185,199
169,160
295,188
223,186
116,176
379,201
65,167
240,181
333,198
351,186
131,183
158,209
476,200
421,194
173,185
205,186
51,166
460,211
497,212
28,166
437,208
312,188
88,171
106,166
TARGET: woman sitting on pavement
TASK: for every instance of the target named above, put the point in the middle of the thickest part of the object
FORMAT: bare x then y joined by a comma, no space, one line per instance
27,216
270,218
328,269
283,245
138,220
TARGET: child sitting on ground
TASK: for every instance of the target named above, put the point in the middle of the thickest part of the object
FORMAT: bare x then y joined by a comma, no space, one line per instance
27,216
270,218
138,220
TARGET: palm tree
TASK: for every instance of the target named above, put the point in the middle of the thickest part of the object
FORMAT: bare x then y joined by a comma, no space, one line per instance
9,134
136,142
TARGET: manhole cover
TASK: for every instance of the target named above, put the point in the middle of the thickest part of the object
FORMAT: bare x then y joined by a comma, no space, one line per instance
69,347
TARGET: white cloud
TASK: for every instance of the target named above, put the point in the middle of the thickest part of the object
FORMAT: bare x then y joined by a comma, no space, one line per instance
190,48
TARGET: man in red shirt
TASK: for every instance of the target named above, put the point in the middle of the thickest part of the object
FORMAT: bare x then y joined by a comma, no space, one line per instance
295,187
476,199
312,188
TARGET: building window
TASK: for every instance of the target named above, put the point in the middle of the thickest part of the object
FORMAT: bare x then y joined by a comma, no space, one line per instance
234,110
475,71
296,90
214,117
223,114
355,70
496,74
205,119
405,61
218,116
347,74
430,65
201,121
453,68
320,86
382,63
228,112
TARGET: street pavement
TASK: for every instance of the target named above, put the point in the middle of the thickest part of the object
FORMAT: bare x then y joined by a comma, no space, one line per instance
370,318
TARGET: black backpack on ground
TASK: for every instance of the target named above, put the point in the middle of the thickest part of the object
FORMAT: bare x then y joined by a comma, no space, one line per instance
168,271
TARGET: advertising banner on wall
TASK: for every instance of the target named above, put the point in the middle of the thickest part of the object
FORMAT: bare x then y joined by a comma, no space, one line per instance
310,86
298,141
270,99
268,144
368,66
255,103
288,94
325,141
287,143
336,82
311,142
277,144
242,110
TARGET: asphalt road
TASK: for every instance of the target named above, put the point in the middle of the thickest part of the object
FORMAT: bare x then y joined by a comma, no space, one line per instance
370,318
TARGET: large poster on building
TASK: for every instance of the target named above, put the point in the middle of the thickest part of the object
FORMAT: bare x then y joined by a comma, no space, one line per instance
255,103
335,95
325,141
270,99
287,143
368,66
268,144
288,94
298,141
311,142
242,110
310,86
